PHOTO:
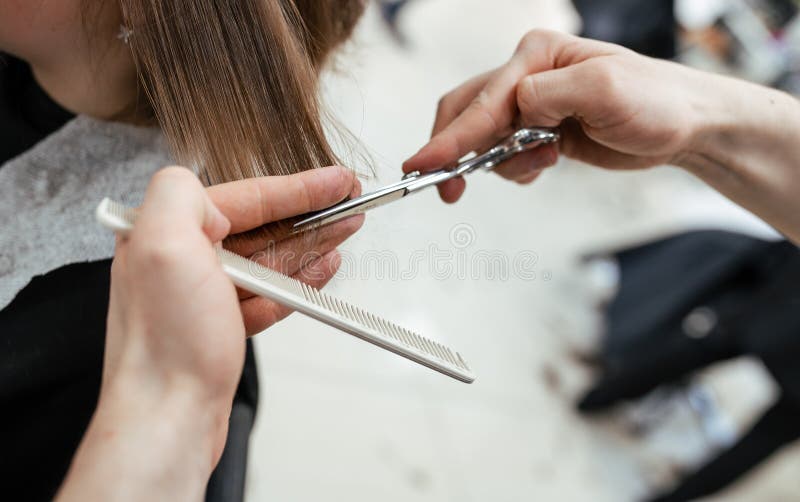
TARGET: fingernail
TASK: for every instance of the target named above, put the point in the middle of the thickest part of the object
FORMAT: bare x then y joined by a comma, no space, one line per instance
529,177
336,259
546,158
217,225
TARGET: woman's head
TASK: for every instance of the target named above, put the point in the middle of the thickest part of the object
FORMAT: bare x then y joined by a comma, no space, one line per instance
233,83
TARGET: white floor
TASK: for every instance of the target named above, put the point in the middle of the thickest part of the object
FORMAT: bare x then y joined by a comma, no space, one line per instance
342,420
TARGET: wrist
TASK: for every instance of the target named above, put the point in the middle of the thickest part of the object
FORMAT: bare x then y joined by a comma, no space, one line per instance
733,123
745,146
177,411
149,440
712,120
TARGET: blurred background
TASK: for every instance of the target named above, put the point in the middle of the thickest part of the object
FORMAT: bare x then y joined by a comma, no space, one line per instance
521,291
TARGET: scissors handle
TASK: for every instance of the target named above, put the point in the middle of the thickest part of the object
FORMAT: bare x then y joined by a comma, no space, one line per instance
522,140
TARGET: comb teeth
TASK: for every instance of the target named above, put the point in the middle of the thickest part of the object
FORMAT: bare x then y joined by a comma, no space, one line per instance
122,211
378,330
398,333
299,296
116,216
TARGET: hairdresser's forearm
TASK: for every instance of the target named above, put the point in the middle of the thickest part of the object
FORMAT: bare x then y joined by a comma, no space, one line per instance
747,146
144,447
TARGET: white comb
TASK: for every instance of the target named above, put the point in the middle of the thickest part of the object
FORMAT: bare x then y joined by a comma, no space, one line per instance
301,297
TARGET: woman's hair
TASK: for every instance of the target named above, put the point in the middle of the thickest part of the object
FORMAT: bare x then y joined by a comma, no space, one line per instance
234,83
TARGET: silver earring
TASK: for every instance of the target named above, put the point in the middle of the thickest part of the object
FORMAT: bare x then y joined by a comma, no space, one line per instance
124,34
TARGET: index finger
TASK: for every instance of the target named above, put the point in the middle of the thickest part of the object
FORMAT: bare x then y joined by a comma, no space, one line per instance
491,114
485,119
254,202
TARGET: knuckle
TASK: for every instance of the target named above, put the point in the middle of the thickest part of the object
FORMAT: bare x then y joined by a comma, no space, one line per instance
304,192
536,37
481,106
605,78
530,39
264,205
171,172
345,183
311,196
443,106
528,92
174,175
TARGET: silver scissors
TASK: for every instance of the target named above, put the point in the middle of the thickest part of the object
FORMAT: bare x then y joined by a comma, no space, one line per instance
523,140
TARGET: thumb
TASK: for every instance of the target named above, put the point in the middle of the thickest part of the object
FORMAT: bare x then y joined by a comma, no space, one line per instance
175,199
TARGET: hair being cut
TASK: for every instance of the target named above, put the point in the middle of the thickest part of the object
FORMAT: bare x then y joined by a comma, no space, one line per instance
234,83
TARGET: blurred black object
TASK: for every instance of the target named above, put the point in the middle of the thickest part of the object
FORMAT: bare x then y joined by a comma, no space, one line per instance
646,27
227,482
390,12
775,13
689,301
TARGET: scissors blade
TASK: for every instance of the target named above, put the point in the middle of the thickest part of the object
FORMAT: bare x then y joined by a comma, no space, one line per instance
352,207
410,183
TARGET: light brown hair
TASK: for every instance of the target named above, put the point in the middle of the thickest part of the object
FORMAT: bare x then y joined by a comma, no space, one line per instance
233,83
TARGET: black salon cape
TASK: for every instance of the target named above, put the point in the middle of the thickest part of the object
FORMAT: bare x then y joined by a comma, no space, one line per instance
749,291
52,337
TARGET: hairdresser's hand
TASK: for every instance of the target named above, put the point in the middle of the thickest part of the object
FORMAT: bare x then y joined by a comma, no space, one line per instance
175,343
616,109
313,258
176,331
619,110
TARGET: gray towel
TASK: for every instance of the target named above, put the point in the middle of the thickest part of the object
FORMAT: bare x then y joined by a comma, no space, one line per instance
49,193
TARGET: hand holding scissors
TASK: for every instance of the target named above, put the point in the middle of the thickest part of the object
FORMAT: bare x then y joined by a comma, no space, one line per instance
523,140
